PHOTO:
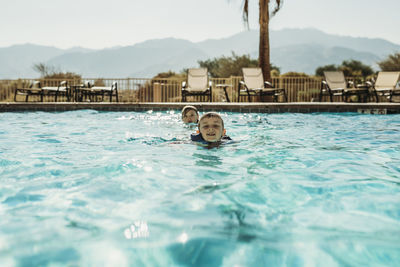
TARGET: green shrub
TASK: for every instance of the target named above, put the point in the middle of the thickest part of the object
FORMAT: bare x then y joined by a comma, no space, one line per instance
225,67
391,63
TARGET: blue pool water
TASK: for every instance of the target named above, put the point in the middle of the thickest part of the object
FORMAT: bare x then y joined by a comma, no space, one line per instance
89,188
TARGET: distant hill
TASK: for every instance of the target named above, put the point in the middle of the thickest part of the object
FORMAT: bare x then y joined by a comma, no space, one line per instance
301,50
288,37
140,60
17,61
307,57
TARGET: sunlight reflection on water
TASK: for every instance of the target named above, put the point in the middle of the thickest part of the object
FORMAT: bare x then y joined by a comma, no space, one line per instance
130,188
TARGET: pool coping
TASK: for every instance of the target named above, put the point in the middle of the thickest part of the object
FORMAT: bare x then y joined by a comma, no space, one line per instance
295,107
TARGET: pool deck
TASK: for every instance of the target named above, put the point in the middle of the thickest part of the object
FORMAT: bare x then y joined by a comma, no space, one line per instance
296,107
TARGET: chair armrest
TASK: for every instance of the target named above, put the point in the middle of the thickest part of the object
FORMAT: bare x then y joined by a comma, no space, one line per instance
63,86
350,84
36,84
243,87
87,84
267,83
325,86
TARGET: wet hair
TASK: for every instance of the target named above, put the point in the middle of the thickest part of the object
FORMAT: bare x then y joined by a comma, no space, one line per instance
186,109
211,115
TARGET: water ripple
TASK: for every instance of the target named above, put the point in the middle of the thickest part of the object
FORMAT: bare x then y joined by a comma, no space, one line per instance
294,189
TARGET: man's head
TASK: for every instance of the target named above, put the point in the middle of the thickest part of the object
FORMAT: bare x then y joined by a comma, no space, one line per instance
211,127
190,114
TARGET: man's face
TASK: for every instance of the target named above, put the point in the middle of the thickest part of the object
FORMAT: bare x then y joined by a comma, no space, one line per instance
211,129
190,117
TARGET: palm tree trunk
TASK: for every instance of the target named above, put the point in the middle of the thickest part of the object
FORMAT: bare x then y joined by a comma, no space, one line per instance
264,57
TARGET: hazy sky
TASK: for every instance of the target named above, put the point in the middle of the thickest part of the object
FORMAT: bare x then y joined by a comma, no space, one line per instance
100,23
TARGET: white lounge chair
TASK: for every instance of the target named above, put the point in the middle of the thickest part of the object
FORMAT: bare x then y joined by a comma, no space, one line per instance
197,84
254,85
335,84
33,89
89,91
105,90
61,90
386,84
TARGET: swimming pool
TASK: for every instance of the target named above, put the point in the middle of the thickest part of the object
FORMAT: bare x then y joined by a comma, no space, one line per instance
87,188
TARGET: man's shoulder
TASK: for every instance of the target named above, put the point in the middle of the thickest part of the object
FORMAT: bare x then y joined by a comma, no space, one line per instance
196,137
226,137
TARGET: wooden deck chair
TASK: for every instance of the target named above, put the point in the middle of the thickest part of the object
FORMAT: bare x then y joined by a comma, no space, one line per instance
33,89
61,90
197,84
254,85
335,84
105,90
386,84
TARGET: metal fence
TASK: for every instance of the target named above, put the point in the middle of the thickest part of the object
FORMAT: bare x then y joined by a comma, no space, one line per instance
299,89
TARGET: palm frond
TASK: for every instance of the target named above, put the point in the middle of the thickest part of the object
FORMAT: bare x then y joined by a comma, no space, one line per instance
277,7
246,13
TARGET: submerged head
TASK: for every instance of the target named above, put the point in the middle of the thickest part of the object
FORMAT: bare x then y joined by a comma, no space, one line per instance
211,127
190,114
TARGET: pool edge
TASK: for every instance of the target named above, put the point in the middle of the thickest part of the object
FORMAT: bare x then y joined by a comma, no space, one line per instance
296,107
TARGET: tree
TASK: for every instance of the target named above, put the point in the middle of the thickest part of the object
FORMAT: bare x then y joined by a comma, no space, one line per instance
224,67
170,74
294,74
350,68
49,72
264,17
320,70
43,69
355,68
391,63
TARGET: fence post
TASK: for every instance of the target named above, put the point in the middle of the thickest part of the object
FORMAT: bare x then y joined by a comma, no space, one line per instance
157,92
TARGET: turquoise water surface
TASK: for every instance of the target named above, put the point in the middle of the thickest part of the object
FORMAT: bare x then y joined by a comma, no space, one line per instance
87,188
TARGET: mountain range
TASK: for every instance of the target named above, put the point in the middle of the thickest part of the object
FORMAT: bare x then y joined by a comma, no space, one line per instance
300,50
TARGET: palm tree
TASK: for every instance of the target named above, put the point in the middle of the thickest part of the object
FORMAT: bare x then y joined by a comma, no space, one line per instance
263,53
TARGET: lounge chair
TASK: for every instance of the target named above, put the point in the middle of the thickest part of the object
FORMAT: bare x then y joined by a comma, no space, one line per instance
386,84
33,89
61,90
90,92
105,90
335,84
82,91
254,85
197,84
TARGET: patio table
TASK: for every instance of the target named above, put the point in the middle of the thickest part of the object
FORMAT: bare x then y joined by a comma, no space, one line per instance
225,86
